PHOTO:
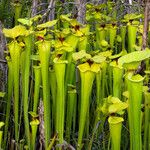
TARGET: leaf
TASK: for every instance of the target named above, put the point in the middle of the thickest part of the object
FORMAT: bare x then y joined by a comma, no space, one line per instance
52,142
117,107
98,16
132,16
47,24
81,54
135,22
119,39
89,17
72,91
35,122
132,60
95,67
115,120
22,44
85,30
102,28
74,22
25,21
106,53
2,94
121,112
15,32
65,17
33,114
126,94
2,124
62,33
86,67
77,33
71,88
89,6
122,53
36,18
104,43
115,65
58,60
40,33
65,31
104,108
63,46
114,100
17,4
106,18
98,58
147,72
36,66
135,78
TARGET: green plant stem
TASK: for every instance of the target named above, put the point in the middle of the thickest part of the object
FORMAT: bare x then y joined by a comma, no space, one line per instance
98,87
104,68
73,41
132,30
117,81
9,96
139,40
28,48
115,133
34,128
87,79
37,74
21,144
135,84
1,139
59,67
112,36
100,84
70,112
110,81
52,142
22,68
95,126
70,70
147,119
18,8
15,51
44,53
74,117
82,44
100,35
123,35
53,89
149,137
83,40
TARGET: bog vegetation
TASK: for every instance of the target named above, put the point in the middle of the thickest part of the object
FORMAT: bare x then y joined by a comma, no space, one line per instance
75,83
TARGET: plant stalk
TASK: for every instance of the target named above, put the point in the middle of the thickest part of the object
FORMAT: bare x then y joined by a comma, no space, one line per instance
135,83
9,96
87,79
44,53
15,51
59,67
